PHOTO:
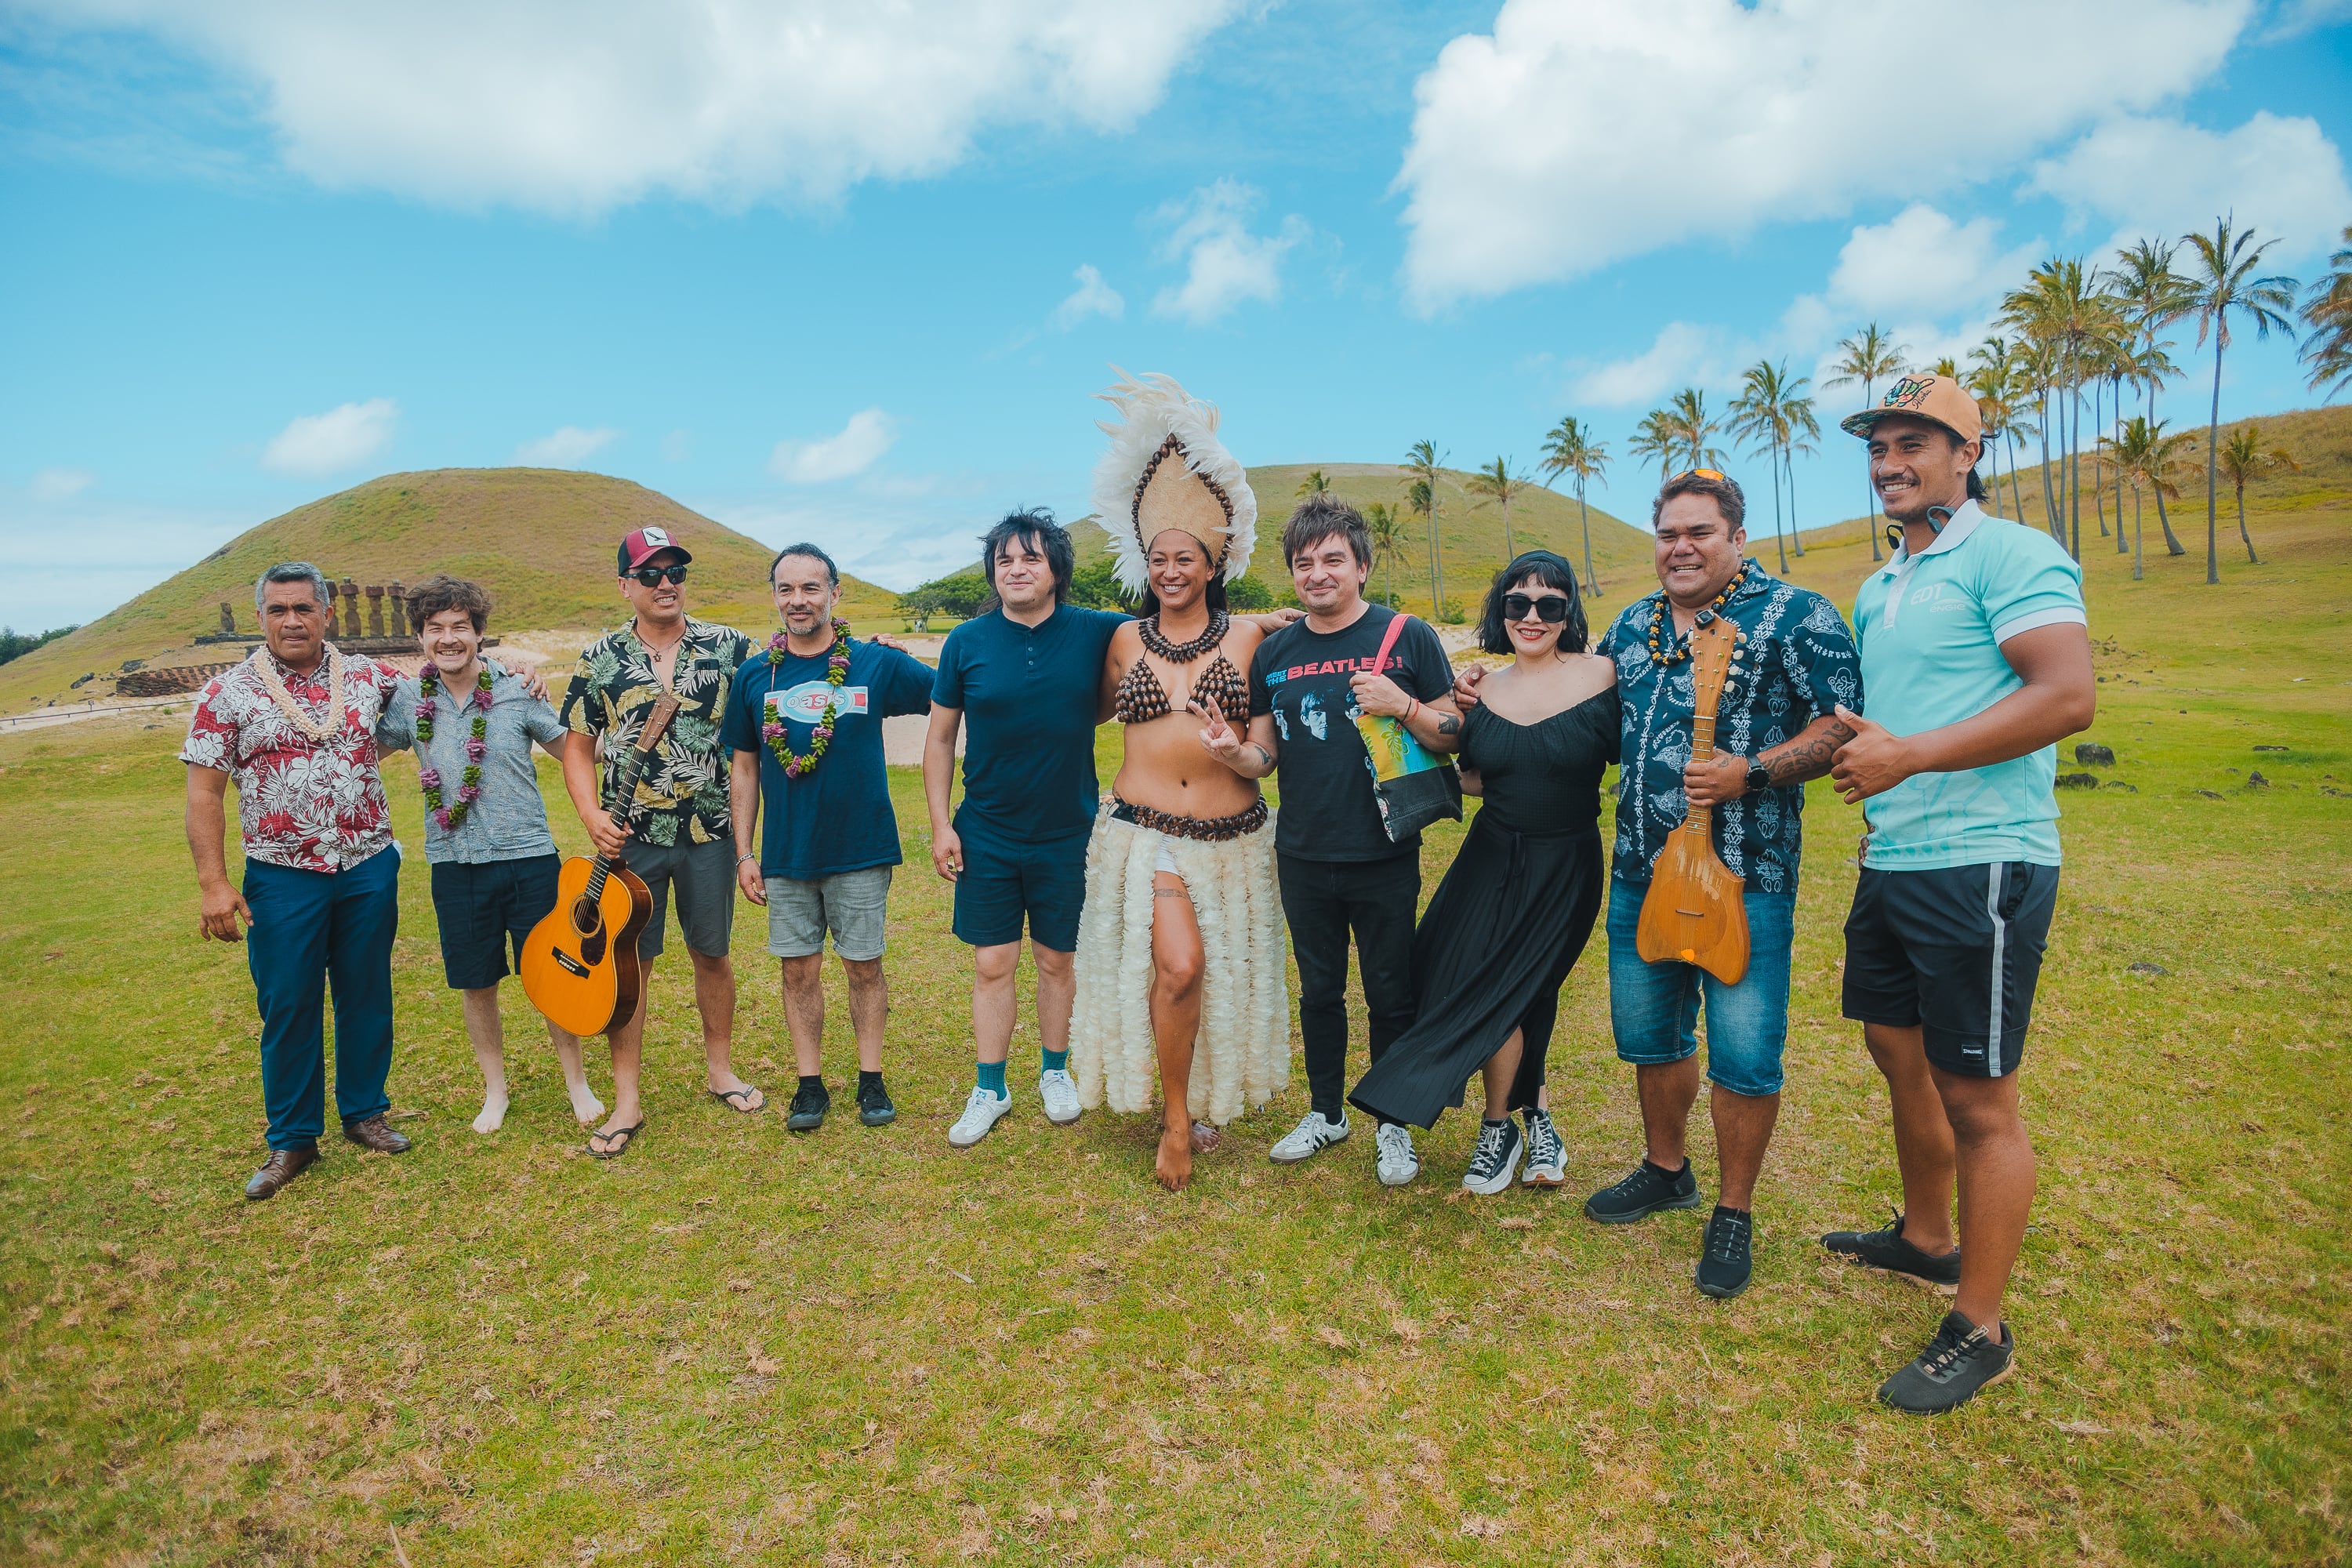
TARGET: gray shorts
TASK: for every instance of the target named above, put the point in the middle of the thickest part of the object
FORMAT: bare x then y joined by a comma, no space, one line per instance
704,878
851,905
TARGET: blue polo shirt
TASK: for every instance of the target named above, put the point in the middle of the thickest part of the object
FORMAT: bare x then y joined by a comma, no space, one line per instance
1029,695
837,818
1931,627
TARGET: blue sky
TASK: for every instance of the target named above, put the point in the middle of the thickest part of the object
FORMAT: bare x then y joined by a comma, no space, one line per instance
850,271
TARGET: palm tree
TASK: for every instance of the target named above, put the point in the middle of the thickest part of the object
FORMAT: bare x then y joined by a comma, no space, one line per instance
1571,450
1758,419
1801,433
1498,484
1655,437
2223,285
2328,312
2060,306
1994,384
2153,296
2144,454
1316,483
1423,460
1385,529
1870,357
2243,457
1696,429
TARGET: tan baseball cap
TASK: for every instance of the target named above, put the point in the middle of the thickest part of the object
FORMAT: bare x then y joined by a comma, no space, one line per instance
1937,398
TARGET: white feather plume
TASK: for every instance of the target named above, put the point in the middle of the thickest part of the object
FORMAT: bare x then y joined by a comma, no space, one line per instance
1153,407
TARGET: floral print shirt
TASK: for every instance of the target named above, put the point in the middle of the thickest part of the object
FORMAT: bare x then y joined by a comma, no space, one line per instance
1800,662
681,794
314,805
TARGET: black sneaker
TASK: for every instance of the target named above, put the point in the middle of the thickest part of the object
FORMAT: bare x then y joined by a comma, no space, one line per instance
1726,1262
1887,1251
1958,1363
1496,1158
1643,1194
810,1102
874,1107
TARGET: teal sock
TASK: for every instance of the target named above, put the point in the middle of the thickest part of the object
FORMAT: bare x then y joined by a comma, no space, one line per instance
992,1077
1055,1062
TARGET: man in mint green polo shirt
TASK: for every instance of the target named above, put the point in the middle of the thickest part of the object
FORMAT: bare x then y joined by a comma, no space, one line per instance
1975,656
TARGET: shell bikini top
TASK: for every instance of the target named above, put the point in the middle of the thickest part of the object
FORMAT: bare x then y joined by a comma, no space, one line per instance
1140,698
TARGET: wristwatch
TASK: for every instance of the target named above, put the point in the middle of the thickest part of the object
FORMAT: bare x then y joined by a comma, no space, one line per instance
1759,778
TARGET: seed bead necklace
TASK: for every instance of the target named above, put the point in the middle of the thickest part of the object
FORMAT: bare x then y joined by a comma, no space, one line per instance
836,670
1149,630
1679,648
478,746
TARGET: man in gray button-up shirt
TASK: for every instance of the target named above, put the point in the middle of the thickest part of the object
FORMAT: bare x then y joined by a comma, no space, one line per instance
493,860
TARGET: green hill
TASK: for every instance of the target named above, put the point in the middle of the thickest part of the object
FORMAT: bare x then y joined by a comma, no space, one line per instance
542,540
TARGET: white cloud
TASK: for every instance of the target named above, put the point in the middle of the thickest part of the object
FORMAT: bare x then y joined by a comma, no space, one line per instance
1092,297
578,106
1681,355
1224,262
1578,135
59,484
341,438
2293,18
2163,176
567,447
854,448
1921,260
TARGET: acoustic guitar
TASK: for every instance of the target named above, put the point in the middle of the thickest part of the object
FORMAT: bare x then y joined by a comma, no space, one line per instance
579,964
1694,912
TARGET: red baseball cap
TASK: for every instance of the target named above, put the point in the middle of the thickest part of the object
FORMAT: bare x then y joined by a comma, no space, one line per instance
646,543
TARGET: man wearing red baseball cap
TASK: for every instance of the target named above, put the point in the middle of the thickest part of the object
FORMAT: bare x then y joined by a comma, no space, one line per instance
1975,656
676,829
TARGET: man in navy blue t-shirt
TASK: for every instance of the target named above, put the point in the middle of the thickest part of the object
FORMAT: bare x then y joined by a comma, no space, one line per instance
805,724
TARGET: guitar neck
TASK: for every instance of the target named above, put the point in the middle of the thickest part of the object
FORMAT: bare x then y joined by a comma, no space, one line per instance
626,787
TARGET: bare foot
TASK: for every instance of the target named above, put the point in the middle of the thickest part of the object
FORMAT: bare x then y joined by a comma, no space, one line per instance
494,1112
1206,1138
586,1108
1174,1165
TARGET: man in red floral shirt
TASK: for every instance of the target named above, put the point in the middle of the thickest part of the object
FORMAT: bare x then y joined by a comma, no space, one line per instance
295,726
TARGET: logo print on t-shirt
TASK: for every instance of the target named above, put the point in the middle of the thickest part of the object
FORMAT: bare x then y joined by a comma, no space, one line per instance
805,702
1310,713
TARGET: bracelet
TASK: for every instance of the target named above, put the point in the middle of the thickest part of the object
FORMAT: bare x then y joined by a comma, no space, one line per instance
747,855
1408,712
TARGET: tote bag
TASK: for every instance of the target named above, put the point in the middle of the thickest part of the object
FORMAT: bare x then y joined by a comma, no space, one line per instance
1412,787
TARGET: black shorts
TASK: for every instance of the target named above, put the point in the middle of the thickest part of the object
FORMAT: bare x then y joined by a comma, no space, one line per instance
1954,950
485,907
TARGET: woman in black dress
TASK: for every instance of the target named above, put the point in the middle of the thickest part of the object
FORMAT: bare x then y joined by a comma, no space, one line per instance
1517,905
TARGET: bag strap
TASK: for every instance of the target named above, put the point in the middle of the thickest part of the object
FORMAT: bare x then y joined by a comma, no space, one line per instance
1396,625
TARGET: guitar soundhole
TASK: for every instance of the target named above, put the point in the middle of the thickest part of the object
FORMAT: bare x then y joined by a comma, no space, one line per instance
588,921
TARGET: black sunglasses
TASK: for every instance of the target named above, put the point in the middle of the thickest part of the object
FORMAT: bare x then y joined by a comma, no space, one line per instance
1549,608
649,575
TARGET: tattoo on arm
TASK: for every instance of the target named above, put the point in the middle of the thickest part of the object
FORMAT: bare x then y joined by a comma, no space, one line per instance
1447,724
1264,757
1806,758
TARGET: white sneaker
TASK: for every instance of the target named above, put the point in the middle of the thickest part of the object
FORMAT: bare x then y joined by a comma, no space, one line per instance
1546,1162
1398,1163
1309,1138
1059,1090
980,1113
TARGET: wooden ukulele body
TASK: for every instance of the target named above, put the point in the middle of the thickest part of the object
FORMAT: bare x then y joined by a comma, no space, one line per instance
1696,911
580,963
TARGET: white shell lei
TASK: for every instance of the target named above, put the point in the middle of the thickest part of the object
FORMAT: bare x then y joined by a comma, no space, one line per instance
266,668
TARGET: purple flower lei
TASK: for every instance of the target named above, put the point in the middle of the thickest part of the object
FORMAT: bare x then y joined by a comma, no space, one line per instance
478,746
836,670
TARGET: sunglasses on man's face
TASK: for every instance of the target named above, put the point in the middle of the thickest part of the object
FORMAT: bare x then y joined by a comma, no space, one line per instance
1549,608
651,575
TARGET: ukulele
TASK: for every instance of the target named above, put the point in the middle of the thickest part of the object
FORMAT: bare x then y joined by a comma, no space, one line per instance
1694,913
580,963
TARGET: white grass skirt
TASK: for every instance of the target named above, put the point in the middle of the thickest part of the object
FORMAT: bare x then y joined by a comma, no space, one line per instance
1242,1057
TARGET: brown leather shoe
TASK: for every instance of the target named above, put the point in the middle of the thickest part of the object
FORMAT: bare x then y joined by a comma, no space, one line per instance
282,1167
373,1134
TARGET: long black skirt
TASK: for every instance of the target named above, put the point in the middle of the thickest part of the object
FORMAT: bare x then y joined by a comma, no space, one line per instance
1490,955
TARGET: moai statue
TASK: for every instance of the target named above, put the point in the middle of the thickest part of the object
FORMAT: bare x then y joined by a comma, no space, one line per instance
350,609
399,608
228,620
375,609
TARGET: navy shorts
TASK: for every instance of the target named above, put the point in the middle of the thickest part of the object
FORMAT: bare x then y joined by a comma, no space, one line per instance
1007,879
1953,950
487,908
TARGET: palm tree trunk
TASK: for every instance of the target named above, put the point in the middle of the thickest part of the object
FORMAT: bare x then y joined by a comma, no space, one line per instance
1869,402
1509,554
2075,461
2212,475
2016,493
2137,570
1772,462
2049,497
1796,535
2250,559
2118,401
1592,583
2099,466
2172,545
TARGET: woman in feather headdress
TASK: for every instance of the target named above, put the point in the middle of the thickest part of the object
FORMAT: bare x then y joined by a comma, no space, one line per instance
1179,962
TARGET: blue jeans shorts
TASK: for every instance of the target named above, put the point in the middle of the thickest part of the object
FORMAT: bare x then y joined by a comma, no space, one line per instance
1653,1008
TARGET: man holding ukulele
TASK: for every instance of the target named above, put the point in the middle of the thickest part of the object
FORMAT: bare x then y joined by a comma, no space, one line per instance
1977,656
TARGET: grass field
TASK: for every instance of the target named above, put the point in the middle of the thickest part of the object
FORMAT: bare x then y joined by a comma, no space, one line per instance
735,1345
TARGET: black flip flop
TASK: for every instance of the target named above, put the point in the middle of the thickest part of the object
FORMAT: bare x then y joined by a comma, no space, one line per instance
627,1135
727,1097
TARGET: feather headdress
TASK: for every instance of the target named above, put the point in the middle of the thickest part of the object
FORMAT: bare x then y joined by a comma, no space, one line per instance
1166,468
